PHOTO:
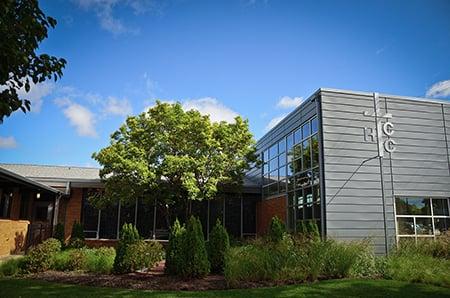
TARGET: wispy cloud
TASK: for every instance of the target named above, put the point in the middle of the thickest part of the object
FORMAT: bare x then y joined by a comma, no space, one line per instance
7,142
272,123
380,50
104,10
79,117
439,89
287,102
116,106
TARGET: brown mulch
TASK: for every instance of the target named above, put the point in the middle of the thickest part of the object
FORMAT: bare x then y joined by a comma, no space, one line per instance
154,279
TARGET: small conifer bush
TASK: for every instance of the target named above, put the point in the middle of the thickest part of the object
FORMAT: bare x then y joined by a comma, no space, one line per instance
77,236
174,252
218,245
59,234
128,235
195,261
276,230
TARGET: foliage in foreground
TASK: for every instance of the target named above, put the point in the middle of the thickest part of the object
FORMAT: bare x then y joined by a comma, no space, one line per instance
218,245
96,260
23,26
186,254
143,255
60,234
295,260
40,257
128,235
77,236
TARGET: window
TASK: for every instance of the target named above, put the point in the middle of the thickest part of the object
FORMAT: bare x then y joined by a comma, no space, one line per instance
298,136
290,141
5,203
273,151
315,151
306,132
419,217
273,164
306,155
266,156
413,206
282,159
89,217
314,125
282,146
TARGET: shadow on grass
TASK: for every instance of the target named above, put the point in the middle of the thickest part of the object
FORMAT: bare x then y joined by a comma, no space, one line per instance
332,288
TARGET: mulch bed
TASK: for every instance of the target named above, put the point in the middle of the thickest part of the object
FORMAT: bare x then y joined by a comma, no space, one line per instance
155,279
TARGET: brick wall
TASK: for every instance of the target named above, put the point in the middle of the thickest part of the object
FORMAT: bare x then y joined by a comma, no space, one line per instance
266,209
13,234
73,210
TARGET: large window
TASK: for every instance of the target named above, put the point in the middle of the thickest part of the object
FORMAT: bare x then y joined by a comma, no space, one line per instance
418,217
296,157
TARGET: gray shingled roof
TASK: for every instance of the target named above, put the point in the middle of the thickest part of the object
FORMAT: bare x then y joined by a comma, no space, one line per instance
53,172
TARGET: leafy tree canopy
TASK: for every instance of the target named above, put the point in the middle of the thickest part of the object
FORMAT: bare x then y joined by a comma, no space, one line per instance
23,26
174,154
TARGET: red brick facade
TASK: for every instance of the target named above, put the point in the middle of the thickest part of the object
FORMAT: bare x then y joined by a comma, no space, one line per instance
73,210
266,209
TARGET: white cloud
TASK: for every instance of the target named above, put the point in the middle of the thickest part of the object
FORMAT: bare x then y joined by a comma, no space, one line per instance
287,102
79,117
439,89
115,106
212,107
35,95
272,123
104,9
216,110
7,143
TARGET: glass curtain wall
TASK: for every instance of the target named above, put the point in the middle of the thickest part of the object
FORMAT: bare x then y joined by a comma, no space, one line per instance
421,218
291,167
236,212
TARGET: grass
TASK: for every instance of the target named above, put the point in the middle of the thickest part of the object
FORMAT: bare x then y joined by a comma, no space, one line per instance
330,288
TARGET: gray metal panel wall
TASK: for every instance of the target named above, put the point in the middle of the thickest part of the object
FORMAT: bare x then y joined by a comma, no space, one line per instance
419,166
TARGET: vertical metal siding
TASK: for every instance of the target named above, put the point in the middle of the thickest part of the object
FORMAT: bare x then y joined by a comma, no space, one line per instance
419,166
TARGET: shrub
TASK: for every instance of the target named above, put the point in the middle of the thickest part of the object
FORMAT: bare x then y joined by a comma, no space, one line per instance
365,262
276,229
59,234
141,255
313,230
40,257
60,261
128,235
174,252
100,260
218,245
12,267
77,236
194,258
419,268
248,263
439,248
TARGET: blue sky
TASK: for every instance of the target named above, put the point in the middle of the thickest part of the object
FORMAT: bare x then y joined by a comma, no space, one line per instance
254,58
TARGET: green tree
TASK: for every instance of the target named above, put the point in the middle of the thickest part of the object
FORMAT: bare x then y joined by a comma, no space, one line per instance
175,154
195,261
174,253
23,26
218,245
276,229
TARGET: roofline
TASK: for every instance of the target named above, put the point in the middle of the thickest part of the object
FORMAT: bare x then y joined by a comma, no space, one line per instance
41,165
366,93
28,181
351,92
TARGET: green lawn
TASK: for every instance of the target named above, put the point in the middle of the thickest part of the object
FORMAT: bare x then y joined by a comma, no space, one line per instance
333,288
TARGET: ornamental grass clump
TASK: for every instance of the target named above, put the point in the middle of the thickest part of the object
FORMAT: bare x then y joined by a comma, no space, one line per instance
218,245
276,229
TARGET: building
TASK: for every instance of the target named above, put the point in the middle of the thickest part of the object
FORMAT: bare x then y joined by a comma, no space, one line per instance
362,165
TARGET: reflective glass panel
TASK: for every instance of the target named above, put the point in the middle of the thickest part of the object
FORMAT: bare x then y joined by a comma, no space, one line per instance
405,225
266,155
441,225
273,164
306,130
290,141
413,206
273,151
282,159
315,150
283,185
440,207
282,146
306,155
298,136
424,226
314,125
